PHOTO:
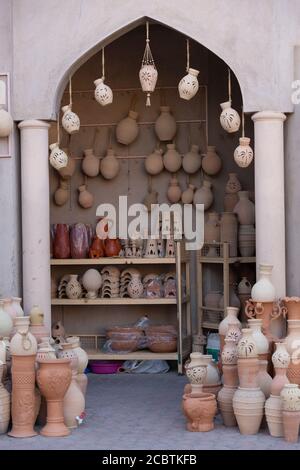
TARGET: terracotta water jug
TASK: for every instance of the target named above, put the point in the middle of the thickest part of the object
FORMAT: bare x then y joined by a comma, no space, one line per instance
204,195
245,209
212,232
110,165
154,162
90,164
233,185
229,231
165,125
174,190
85,199
187,196
172,159
225,397
243,154
61,243
191,160
263,290
6,122
211,163
62,194
229,118
6,321
246,237
127,129
68,171
4,404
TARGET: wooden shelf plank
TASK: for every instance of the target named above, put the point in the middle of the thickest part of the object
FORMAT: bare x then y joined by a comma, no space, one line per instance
108,261
219,260
118,301
210,326
137,355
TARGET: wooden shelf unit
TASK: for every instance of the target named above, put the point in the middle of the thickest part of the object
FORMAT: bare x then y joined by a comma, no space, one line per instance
109,261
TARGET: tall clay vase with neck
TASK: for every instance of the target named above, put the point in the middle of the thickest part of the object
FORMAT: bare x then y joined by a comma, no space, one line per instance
281,360
261,341
23,348
54,377
245,209
82,356
4,404
230,318
230,380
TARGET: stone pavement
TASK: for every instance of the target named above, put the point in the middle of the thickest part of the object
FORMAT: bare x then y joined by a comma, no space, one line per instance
143,412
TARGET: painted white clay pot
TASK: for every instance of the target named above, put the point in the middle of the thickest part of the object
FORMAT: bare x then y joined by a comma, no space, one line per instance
246,346
204,195
73,288
165,125
243,154
172,159
127,129
58,158
90,164
290,395
229,118
211,162
174,190
92,281
262,344
68,171
70,121
189,85
103,93
154,162
6,322
148,78
188,195
263,290
281,357
6,123
110,165
191,160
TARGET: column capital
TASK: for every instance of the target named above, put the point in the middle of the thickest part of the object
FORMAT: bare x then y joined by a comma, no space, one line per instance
34,124
269,116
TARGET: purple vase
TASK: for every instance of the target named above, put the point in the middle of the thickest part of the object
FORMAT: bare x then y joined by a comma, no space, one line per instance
79,241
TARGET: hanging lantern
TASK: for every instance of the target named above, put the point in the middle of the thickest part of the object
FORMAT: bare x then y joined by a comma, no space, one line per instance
243,154
70,121
148,73
103,93
58,158
188,85
229,118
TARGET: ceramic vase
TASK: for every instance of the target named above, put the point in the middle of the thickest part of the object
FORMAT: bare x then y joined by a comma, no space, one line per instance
189,85
293,307
112,247
67,171
233,185
97,248
225,397
196,375
204,195
174,190
79,242
45,351
70,121
58,158
281,360
92,281
243,154
229,354
200,410
61,195
292,342
212,231
230,318
290,396
6,123
229,118
262,343
103,93
85,199
245,209
229,231
247,240
16,303
273,412
172,159
187,196
110,165
73,288
191,161
83,360
148,77
154,163
264,379
135,288
6,322
61,243
211,163
90,164
263,290
4,404
248,406
127,129
244,287
165,125
234,332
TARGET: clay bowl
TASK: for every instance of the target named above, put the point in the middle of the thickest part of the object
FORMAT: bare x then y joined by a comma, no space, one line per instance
162,343
156,329
123,332
126,345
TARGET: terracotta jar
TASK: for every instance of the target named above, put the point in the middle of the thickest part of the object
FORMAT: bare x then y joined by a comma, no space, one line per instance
127,129
247,240
61,195
191,162
204,195
229,118
225,397
229,231
292,342
16,303
165,125
245,209
85,199
154,162
110,165
4,404
112,247
172,159
281,360
200,410
67,171
187,196
262,343
37,327
243,154
293,307
54,377
263,290
70,121
290,396
211,162
79,241
83,360
264,379
92,281
174,190
212,231
61,244
230,201
90,164
273,412
233,186
230,318
73,288
248,406
189,85
97,248
23,348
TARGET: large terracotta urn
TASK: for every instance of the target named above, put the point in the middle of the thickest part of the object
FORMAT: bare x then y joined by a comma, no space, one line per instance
82,357
4,404
165,125
23,348
90,164
110,165
229,231
204,195
293,307
61,243
248,406
200,410
127,129
54,377
211,163
231,317
191,162
281,360
245,209
172,159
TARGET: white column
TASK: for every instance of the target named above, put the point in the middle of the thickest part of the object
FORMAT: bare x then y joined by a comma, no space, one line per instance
35,216
269,194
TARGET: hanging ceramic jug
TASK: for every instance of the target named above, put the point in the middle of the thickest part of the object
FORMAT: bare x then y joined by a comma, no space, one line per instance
103,93
110,165
73,288
229,118
212,228
6,122
245,209
165,125
61,195
6,322
204,195
192,161
150,198
172,159
90,164
188,195
211,163
243,154
85,199
58,158
154,162
189,85
70,121
174,190
148,78
127,129
68,171
263,290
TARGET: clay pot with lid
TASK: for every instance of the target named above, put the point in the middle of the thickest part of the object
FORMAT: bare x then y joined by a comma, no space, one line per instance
127,129
204,195
85,198
165,125
211,163
110,165
200,410
61,195
154,163
90,164
187,196
174,190
245,209
172,159
191,162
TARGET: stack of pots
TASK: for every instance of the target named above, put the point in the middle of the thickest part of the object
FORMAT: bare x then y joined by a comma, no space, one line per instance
231,318
244,294
230,381
245,211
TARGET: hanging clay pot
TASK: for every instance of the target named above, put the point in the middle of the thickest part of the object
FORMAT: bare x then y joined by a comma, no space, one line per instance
6,123
73,288
230,318
58,158
70,121
61,195
165,125
148,77
150,198
127,129
187,196
154,162
204,195
245,209
172,159
90,164
229,231
85,199
229,118
110,165
233,185
191,160
263,290
92,281
264,379
6,322
189,85
211,163
4,404
68,171
243,154
103,93
79,241
174,190
97,248
61,243
212,228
